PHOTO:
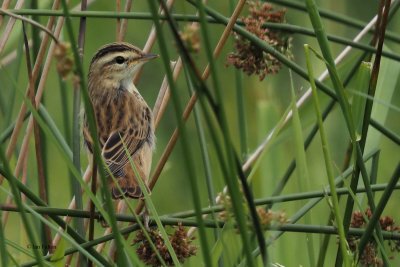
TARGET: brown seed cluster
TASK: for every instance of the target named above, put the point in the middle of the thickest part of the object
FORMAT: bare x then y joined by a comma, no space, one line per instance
370,253
180,242
190,37
268,218
65,62
248,56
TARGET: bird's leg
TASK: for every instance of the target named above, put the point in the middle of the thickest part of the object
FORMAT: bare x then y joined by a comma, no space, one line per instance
146,216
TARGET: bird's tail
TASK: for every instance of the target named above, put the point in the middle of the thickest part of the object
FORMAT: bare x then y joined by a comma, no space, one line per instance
131,190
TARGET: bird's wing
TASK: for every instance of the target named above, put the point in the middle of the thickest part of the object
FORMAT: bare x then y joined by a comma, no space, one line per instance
132,137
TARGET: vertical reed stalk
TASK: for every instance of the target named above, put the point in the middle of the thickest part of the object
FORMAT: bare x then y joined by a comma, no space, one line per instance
76,133
39,159
338,218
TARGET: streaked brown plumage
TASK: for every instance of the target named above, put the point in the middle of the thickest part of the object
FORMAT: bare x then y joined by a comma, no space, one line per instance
120,112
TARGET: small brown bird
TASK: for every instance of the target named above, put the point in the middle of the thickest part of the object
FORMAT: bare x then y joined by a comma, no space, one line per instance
121,113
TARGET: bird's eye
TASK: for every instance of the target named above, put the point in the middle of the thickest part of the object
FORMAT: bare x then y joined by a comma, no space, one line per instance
119,59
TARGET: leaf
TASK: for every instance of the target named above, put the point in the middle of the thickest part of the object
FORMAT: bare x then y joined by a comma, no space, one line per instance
358,104
58,256
387,81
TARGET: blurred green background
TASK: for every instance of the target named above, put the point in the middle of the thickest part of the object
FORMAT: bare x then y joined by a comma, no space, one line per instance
265,103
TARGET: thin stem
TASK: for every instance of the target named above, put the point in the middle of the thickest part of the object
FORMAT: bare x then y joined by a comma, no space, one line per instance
32,22
204,152
191,213
39,159
341,18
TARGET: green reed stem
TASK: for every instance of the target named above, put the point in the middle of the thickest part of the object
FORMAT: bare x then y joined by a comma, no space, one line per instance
228,144
92,128
240,104
204,150
386,132
191,213
347,20
182,130
380,31
374,221
3,249
330,64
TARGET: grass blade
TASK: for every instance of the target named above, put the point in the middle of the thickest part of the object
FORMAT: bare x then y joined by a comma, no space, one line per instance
302,169
342,239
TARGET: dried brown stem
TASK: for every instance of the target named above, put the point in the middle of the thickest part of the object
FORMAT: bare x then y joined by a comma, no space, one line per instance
39,93
39,159
23,179
164,93
150,41
35,74
118,26
10,25
4,5
124,22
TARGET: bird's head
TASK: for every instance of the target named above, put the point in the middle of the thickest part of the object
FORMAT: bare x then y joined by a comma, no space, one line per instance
117,63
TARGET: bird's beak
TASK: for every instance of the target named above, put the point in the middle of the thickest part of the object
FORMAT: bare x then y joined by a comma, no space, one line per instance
147,57
144,58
